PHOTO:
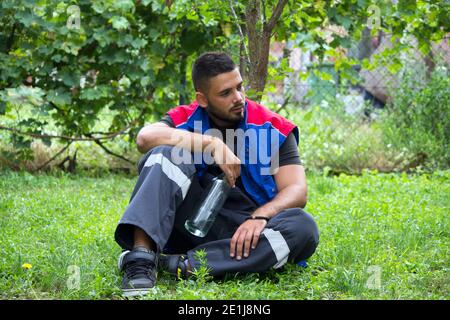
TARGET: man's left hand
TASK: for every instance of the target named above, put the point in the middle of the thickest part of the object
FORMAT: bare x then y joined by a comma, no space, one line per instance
246,236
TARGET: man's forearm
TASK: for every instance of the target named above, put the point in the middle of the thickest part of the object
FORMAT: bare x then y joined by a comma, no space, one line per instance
292,196
159,134
151,137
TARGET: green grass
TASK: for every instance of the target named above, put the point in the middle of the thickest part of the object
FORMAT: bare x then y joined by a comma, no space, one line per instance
394,226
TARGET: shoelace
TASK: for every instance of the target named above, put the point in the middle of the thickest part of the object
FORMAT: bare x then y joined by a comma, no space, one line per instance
138,267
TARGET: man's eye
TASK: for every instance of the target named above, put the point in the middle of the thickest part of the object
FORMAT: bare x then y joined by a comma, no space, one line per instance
225,93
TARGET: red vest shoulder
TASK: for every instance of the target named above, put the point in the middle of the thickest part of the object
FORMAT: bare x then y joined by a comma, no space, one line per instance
258,115
181,114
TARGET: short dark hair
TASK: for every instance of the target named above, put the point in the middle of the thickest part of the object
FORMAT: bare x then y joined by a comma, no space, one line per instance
208,65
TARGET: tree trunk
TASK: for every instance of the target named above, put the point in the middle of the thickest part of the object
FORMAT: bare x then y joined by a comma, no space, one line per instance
182,94
243,61
259,44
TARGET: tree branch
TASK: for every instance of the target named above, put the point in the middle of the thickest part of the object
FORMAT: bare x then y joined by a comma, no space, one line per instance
241,34
54,157
285,103
264,11
275,15
54,106
112,153
107,135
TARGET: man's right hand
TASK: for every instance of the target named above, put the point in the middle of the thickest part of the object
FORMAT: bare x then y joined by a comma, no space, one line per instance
160,133
226,160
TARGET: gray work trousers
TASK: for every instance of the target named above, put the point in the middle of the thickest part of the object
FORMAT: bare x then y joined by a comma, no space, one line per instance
163,199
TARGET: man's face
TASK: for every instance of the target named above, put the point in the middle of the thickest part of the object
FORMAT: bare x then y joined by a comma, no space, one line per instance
224,98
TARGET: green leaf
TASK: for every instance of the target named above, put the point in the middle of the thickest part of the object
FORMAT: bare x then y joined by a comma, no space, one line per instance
324,75
145,2
26,17
89,94
96,93
59,97
407,6
119,23
145,81
99,6
124,82
308,115
394,66
22,96
70,77
139,43
124,5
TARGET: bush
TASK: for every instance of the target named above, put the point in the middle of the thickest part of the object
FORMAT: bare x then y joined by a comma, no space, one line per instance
333,140
417,119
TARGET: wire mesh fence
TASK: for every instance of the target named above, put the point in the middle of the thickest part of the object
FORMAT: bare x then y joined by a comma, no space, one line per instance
378,65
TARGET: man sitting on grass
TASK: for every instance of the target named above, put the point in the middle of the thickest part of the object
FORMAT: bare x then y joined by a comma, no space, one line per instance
261,225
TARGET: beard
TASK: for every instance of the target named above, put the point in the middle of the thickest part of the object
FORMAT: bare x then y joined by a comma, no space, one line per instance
225,116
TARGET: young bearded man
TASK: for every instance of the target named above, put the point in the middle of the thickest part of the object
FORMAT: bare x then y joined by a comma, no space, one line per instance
261,225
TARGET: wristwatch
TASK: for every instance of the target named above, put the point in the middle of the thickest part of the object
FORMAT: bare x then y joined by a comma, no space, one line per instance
257,217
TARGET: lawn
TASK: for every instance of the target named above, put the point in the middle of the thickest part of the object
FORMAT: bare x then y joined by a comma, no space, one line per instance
382,236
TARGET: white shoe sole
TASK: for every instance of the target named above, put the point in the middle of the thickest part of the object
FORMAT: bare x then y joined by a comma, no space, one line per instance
135,292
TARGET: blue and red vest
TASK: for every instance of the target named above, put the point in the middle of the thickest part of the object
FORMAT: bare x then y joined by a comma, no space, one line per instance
267,132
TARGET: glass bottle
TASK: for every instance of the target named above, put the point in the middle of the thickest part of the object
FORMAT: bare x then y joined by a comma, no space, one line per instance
206,209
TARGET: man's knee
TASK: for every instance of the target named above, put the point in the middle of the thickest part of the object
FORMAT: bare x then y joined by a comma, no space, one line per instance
296,218
307,236
308,224
299,229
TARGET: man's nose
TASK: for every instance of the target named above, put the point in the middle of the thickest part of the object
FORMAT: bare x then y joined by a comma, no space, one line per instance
237,97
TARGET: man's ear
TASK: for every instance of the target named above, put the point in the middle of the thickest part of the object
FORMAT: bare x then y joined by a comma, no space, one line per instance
201,99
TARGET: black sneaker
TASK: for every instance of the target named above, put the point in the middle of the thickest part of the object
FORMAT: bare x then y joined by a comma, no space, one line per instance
174,264
139,268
